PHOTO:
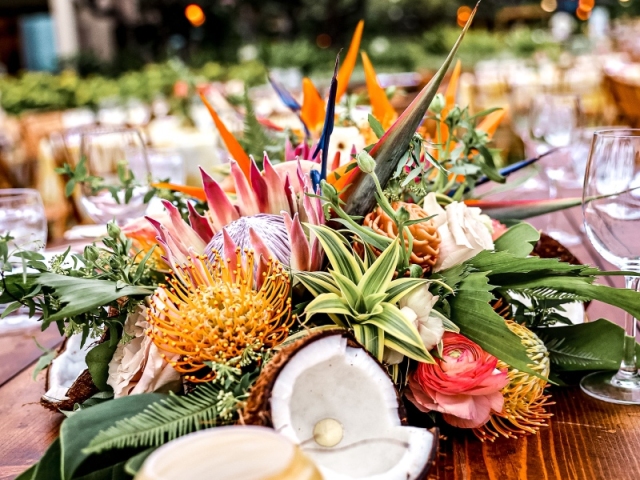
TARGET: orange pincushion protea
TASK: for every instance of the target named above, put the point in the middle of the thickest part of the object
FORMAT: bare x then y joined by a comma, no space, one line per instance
525,402
213,311
426,239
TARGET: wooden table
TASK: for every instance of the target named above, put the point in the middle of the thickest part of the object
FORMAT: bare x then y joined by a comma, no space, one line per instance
586,439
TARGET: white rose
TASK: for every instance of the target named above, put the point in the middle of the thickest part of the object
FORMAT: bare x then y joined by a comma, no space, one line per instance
136,366
462,229
416,307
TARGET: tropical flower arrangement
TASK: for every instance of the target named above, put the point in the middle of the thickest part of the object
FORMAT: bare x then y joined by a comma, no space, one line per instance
313,303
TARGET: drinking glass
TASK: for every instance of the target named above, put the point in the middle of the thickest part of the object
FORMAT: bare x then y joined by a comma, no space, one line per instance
554,122
611,208
106,152
22,216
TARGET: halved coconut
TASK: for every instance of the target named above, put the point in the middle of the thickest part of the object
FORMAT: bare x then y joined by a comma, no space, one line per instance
68,381
230,453
328,395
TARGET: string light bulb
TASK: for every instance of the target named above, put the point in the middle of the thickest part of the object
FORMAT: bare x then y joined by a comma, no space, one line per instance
195,15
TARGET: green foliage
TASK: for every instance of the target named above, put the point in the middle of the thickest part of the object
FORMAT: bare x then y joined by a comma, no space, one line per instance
363,296
122,192
209,405
255,140
86,296
45,359
472,312
587,346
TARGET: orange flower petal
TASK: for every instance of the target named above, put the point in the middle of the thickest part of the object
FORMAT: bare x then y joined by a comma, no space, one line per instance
491,122
349,61
313,110
234,147
195,192
380,104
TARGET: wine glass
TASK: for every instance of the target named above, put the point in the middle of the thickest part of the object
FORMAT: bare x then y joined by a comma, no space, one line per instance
23,218
554,121
611,208
117,191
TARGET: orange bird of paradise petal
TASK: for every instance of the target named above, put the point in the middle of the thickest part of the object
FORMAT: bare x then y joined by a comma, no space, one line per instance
491,122
195,192
380,104
313,110
349,62
234,147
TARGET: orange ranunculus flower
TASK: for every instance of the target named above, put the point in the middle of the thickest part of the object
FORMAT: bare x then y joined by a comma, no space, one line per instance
464,385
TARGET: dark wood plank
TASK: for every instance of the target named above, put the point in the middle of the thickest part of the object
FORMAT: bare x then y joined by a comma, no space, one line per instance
27,428
18,351
586,439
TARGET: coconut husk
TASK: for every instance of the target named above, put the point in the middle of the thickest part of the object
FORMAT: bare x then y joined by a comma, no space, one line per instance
81,390
548,247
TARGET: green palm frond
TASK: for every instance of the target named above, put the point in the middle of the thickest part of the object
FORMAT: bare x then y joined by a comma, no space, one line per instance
164,421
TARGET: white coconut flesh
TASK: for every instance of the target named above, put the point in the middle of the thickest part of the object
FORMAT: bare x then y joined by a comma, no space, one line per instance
66,368
229,453
341,407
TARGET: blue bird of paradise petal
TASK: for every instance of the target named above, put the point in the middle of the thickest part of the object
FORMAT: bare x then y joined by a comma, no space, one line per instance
506,171
329,120
290,103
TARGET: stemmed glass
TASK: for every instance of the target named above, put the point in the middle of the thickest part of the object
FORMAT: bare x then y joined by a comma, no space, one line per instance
611,208
554,121
113,191
23,219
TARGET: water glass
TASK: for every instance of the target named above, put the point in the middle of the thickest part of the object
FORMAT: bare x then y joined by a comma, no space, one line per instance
22,216
611,208
107,152
554,122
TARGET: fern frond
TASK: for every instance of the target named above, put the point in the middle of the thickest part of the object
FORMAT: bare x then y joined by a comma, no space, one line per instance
566,355
545,293
162,421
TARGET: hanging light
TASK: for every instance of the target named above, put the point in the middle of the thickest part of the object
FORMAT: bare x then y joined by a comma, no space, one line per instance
549,5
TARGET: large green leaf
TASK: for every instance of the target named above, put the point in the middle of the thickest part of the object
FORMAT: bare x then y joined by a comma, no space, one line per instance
471,311
399,329
79,429
401,287
504,266
317,282
519,240
379,275
349,290
394,143
587,346
48,468
371,338
623,298
328,303
98,359
341,258
82,295
409,350
134,464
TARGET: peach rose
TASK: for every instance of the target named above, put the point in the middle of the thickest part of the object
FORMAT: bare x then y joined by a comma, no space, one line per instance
464,385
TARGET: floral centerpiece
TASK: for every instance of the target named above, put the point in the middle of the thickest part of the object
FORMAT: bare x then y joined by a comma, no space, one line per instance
319,298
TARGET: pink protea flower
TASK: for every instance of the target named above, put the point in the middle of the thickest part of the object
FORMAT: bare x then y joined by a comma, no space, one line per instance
270,193
464,385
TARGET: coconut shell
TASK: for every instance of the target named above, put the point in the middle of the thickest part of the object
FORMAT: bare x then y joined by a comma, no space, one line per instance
548,247
81,390
257,410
